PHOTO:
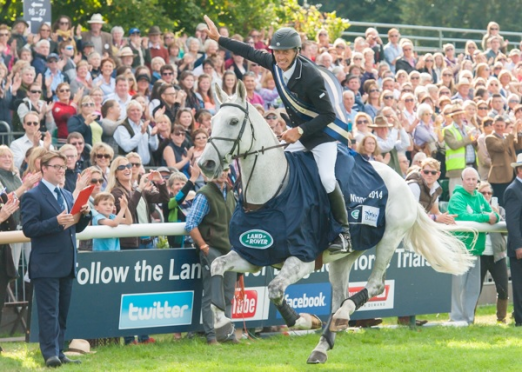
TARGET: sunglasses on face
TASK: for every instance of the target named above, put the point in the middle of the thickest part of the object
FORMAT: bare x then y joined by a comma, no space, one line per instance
414,78
388,97
433,173
135,33
123,167
447,75
270,117
90,104
406,91
362,122
136,165
102,156
36,91
486,193
482,108
95,181
179,134
64,91
488,124
429,60
167,73
35,123
77,143
374,90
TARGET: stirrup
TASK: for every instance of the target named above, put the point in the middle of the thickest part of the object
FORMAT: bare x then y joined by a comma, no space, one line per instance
342,244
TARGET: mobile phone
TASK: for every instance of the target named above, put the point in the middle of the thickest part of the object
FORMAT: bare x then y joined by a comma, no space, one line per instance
494,202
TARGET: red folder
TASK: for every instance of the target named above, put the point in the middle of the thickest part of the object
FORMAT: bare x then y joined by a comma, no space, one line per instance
82,199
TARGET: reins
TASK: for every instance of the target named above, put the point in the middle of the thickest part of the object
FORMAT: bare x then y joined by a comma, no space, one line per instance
239,155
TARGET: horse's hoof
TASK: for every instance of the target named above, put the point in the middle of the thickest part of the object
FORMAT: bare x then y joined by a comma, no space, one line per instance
317,357
225,331
338,325
308,321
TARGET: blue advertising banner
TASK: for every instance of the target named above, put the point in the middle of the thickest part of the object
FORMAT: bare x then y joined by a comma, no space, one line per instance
159,291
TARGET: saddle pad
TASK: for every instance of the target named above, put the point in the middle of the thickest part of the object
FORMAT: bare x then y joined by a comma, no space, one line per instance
365,195
295,223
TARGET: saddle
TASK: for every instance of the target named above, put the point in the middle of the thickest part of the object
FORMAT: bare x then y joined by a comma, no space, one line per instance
299,223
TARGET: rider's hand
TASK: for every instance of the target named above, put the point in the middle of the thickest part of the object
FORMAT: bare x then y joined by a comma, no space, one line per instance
212,29
291,135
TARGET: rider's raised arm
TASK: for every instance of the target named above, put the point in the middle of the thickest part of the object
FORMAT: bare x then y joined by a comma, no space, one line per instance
246,51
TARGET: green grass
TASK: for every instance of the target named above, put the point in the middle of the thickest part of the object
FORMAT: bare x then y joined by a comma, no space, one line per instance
485,346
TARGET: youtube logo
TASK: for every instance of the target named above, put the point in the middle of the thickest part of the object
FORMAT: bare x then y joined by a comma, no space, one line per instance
246,306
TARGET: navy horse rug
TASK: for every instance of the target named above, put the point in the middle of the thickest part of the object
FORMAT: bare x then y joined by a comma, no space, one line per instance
299,222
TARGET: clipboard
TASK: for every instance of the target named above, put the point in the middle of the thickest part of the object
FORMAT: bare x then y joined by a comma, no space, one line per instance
82,199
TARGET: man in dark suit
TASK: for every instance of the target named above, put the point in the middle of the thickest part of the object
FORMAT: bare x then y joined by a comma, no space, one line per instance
513,207
47,221
301,84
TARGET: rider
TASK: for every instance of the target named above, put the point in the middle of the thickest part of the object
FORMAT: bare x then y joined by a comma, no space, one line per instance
304,81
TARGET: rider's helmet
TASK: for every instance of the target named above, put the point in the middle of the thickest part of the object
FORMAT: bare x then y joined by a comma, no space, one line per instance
285,38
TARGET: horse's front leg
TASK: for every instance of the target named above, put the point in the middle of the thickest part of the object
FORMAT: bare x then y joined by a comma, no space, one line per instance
292,271
223,325
375,285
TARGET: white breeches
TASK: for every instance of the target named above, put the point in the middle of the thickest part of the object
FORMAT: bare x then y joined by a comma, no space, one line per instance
325,156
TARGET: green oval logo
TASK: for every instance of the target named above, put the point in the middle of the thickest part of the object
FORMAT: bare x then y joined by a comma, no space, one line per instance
355,214
257,239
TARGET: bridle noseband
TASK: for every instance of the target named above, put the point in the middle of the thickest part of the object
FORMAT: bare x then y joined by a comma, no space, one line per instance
236,144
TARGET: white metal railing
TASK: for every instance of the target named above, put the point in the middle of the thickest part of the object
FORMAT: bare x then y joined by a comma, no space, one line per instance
435,38
178,228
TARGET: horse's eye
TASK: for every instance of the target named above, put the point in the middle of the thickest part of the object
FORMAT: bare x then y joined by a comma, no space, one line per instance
234,121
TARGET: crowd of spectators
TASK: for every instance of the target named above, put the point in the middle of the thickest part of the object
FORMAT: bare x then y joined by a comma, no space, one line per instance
118,104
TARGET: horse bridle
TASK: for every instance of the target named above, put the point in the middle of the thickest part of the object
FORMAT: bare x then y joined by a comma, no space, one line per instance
236,144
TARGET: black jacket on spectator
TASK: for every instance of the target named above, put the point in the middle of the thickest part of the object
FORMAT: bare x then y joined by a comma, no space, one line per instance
403,64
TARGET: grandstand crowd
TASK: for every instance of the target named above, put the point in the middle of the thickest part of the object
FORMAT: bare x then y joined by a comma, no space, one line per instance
143,100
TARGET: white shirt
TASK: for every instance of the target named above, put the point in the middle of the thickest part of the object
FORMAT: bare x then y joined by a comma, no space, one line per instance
391,142
288,73
20,146
123,104
51,188
141,141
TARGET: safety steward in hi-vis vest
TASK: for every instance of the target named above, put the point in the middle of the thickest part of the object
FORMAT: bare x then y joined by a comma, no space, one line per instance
301,87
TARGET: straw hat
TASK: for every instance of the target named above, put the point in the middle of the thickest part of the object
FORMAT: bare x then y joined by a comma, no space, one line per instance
518,163
456,109
463,81
79,347
380,122
126,52
96,18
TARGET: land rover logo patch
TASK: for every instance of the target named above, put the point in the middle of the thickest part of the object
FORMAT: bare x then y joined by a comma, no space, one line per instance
355,214
257,239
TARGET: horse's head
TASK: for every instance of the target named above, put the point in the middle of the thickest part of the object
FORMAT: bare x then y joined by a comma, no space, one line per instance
231,132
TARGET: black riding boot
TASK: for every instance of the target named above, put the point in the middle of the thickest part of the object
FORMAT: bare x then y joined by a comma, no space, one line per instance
343,243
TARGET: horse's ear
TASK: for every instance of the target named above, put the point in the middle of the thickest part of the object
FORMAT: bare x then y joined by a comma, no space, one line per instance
241,91
220,95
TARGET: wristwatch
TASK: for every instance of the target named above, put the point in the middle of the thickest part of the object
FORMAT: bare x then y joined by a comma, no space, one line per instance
300,130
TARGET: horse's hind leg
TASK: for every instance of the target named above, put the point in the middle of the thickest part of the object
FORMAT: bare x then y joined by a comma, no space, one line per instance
374,286
339,274
292,271
223,326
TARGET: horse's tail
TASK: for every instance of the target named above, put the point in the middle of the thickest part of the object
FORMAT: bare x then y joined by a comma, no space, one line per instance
445,252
